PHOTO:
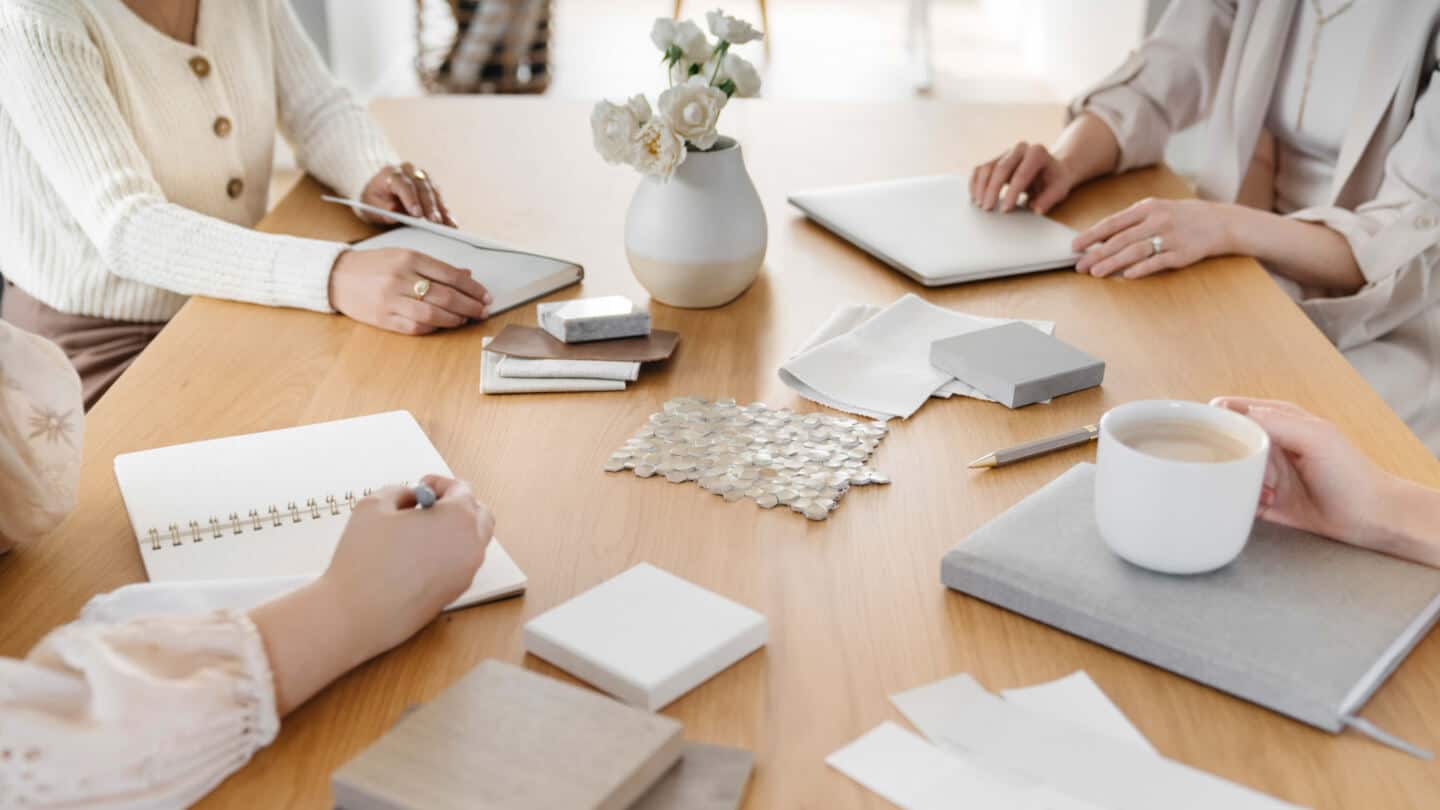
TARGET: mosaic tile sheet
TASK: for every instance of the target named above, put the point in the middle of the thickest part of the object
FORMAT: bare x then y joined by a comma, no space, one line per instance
773,456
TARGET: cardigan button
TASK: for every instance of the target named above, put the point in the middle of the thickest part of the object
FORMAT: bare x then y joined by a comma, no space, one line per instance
200,65
1424,222
222,127
235,188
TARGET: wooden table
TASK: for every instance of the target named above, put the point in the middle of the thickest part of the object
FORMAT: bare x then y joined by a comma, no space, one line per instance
856,609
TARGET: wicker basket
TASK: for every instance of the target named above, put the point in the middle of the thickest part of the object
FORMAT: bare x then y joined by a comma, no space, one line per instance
483,46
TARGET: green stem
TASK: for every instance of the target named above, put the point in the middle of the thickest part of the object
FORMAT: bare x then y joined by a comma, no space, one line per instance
719,57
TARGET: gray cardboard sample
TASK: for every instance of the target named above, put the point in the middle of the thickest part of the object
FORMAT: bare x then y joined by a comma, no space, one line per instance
707,777
1017,364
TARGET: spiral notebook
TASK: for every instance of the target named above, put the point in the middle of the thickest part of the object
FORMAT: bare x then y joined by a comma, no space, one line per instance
273,505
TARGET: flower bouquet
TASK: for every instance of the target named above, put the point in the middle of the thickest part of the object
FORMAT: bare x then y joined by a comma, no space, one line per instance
703,75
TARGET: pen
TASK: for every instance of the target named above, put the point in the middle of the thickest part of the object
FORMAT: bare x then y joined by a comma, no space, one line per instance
424,496
1039,447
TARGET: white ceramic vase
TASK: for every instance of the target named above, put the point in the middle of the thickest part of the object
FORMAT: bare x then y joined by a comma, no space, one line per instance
699,239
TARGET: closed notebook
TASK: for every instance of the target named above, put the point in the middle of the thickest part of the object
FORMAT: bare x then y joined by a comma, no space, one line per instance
504,738
273,505
1299,624
646,636
511,276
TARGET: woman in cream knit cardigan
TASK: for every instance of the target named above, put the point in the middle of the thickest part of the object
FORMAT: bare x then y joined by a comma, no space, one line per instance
1322,127
136,141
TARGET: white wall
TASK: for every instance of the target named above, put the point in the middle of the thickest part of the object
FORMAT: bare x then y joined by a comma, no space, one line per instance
372,45
1070,44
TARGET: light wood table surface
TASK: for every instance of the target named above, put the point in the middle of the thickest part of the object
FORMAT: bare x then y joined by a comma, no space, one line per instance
855,604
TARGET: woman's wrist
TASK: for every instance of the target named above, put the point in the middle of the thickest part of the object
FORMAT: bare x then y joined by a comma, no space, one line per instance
1406,521
1087,148
311,639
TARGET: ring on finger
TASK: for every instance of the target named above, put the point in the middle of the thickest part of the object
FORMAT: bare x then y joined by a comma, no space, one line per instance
1157,245
421,289
419,174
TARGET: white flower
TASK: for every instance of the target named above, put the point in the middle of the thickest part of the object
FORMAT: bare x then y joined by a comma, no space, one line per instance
656,149
730,29
680,71
742,73
692,110
686,36
640,106
614,129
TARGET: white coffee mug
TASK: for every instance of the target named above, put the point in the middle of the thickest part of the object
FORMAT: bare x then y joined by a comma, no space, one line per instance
1173,516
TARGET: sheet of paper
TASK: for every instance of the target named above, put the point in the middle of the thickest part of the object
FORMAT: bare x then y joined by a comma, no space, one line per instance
1078,700
961,717
912,773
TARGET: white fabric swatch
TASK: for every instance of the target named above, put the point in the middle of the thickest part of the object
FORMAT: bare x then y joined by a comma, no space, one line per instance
1078,700
528,368
875,362
912,773
492,383
962,718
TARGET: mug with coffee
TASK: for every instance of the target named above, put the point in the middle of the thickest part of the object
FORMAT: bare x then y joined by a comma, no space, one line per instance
1177,484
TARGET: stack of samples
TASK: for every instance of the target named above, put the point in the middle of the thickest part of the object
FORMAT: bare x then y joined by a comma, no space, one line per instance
589,344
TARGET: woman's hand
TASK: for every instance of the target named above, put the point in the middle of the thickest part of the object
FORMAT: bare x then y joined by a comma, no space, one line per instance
1318,481
1026,168
404,189
395,569
1189,230
397,566
384,288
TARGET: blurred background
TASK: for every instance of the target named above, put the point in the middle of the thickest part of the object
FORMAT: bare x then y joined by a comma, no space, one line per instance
954,51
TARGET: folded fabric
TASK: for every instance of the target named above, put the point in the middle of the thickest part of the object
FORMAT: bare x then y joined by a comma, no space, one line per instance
525,368
876,362
492,383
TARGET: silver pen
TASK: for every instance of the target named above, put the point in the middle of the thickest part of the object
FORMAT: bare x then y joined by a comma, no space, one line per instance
1039,447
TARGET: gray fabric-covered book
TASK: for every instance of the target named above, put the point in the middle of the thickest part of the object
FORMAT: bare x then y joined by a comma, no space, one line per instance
1299,624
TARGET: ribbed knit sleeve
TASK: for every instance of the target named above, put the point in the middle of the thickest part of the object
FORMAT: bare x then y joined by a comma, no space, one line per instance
147,713
334,138
55,92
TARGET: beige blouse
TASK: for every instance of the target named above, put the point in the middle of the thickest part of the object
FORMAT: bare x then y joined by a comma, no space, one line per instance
136,714
1224,62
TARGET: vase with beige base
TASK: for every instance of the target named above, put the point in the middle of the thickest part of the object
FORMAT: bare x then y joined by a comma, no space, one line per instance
695,232
698,240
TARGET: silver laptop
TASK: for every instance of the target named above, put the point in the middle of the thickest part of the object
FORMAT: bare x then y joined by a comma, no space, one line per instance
926,228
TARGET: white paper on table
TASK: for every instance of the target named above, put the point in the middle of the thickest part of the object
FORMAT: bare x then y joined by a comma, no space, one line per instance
534,368
907,770
492,383
879,366
1078,700
958,715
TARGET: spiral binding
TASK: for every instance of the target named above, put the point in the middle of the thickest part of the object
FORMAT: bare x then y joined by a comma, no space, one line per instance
254,521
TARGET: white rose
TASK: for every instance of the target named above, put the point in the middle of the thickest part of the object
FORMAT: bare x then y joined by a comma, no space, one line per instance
692,110
640,107
662,33
614,129
730,29
686,36
742,73
656,149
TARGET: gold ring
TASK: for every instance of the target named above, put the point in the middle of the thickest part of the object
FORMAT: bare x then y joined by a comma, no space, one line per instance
422,289
421,175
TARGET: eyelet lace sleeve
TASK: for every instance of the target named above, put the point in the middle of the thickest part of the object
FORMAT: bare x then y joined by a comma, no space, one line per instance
41,427
150,713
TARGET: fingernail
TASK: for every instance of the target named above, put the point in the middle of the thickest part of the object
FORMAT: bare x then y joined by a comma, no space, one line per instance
487,299
484,313
435,218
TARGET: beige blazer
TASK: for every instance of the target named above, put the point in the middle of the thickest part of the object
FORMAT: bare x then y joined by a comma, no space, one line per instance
1219,60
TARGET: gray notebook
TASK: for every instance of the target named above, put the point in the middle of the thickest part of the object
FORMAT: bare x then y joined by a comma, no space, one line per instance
504,738
1305,626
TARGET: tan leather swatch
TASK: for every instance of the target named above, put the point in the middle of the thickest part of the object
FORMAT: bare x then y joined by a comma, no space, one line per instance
528,341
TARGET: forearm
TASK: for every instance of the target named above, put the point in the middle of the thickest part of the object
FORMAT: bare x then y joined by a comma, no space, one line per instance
1407,522
309,640
1087,148
1306,252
